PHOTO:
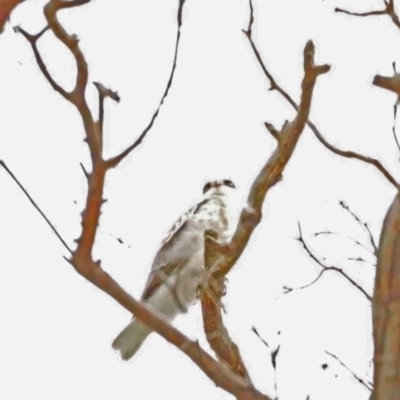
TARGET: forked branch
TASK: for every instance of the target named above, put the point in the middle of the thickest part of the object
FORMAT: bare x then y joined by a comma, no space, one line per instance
275,86
387,10
271,173
325,268
250,217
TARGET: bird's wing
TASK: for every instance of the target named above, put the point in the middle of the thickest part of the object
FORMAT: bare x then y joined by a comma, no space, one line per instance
163,267
157,277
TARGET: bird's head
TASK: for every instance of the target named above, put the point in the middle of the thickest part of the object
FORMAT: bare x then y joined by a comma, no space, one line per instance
223,186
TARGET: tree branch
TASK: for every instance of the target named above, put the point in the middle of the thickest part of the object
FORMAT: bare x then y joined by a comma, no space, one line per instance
272,171
274,86
368,386
32,39
103,93
362,14
52,227
363,225
250,217
217,334
386,308
114,161
388,10
325,269
6,8
346,236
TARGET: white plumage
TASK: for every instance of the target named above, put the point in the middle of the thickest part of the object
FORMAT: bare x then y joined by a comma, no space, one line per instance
178,266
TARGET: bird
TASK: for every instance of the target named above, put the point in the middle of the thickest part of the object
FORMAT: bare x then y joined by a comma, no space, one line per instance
178,266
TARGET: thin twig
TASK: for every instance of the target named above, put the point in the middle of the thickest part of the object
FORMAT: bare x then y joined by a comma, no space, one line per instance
370,388
363,224
273,354
84,171
3,164
360,259
259,336
32,39
346,236
103,93
324,269
394,126
114,161
388,10
362,14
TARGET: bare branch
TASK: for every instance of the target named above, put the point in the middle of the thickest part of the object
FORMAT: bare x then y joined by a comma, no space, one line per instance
367,385
346,236
84,171
391,83
274,86
3,164
103,93
273,354
388,10
273,131
216,333
386,306
220,374
114,161
351,154
363,225
259,336
360,259
362,14
72,43
272,171
325,269
394,126
250,216
6,8
72,3
32,39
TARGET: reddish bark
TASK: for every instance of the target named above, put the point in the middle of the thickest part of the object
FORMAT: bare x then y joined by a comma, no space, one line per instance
6,8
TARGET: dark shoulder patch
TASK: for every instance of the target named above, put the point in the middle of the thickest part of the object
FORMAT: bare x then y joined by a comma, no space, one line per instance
177,226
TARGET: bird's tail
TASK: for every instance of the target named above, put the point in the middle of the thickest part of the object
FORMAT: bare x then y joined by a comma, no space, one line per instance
131,338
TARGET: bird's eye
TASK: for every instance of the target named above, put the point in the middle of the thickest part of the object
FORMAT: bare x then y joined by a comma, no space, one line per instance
229,183
207,187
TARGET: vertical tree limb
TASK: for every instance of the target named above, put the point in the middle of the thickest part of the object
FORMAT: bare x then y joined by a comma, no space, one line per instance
250,217
217,334
386,309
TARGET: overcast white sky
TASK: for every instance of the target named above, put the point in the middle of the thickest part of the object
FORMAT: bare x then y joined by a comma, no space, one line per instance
56,328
